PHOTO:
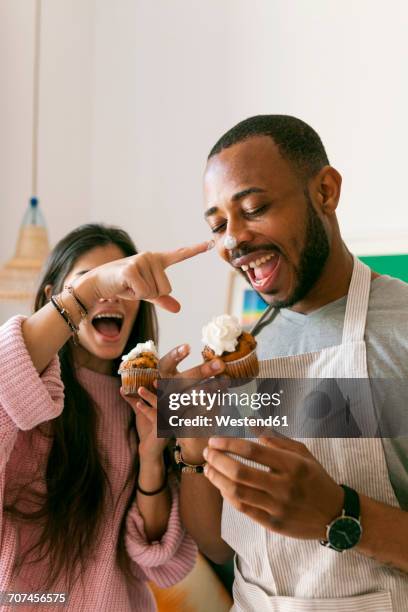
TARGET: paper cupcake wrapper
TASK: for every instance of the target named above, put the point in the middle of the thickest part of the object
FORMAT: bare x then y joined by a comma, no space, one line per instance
246,367
139,377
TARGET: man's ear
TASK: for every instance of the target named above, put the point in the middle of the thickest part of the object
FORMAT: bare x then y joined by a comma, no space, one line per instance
327,188
48,291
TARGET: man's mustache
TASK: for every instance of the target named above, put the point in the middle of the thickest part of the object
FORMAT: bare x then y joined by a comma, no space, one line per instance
247,250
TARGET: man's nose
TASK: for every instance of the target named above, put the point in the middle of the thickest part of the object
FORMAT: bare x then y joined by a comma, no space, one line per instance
238,230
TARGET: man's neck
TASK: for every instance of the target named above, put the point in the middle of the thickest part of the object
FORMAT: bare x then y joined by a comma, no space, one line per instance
332,284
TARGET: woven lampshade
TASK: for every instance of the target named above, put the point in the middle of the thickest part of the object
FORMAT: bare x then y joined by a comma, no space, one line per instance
19,276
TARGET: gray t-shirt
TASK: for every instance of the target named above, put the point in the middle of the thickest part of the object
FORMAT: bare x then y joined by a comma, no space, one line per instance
386,337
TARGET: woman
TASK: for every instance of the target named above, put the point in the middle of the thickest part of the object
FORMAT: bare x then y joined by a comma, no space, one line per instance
73,466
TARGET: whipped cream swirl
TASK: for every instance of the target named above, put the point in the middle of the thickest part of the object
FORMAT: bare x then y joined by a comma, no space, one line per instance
222,334
141,347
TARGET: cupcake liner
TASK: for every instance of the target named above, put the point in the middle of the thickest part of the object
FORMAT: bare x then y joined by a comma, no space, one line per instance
245,367
132,379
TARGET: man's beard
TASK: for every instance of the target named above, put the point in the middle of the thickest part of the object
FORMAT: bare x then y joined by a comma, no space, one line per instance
312,258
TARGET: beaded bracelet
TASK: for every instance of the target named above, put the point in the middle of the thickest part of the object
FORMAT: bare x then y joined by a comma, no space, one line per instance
187,467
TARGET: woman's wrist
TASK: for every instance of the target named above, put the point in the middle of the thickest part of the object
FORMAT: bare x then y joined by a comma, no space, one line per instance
152,461
66,301
152,473
85,289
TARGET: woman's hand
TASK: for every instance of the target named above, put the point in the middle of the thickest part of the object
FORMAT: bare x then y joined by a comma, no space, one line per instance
139,277
145,408
155,509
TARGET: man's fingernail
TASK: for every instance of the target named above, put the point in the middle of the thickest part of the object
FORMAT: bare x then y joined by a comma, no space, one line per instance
205,453
211,245
216,365
183,349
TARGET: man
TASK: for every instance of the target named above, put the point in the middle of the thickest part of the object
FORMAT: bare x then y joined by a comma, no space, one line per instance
270,189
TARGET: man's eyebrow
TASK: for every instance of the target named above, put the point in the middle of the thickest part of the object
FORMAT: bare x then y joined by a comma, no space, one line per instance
237,196
210,211
246,192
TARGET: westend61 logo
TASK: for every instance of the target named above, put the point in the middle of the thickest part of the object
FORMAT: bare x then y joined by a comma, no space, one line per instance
221,399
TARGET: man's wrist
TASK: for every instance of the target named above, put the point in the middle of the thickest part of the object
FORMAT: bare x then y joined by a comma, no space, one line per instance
192,453
336,506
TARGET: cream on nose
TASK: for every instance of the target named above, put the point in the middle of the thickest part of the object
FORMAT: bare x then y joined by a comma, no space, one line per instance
230,242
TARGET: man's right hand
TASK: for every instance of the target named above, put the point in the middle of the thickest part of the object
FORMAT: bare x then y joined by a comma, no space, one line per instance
191,448
200,502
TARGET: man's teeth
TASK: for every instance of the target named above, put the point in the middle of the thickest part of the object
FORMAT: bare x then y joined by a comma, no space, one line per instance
257,262
108,315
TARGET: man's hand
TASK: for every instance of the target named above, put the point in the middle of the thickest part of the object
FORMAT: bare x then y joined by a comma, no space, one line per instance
294,496
200,501
192,448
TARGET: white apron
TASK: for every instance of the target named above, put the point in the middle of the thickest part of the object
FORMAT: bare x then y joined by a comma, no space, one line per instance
281,574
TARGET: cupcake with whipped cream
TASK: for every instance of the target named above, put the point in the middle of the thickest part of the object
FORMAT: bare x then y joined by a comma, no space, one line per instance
139,368
224,338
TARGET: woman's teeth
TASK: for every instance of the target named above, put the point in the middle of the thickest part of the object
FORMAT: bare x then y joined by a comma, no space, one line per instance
108,315
257,262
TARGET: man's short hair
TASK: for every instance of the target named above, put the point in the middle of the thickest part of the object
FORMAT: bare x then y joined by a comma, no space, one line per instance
297,142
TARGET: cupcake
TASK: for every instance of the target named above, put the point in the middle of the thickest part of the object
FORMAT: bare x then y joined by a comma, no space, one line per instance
139,368
223,337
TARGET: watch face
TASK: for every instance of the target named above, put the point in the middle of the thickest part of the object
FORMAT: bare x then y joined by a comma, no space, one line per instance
344,533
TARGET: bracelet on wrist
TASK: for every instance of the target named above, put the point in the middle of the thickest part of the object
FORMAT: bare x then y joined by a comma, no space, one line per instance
157,491
81,306
187,467
66,315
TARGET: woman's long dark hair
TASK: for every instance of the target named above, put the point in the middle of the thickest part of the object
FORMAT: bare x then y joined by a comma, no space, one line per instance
71,512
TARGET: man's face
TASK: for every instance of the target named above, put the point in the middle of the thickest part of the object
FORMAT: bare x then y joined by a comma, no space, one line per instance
253,194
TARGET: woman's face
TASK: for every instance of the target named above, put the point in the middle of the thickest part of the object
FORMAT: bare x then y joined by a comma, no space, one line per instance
104,333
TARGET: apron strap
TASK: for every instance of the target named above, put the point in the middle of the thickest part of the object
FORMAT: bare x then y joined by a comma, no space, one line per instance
356,308
266,317
357,303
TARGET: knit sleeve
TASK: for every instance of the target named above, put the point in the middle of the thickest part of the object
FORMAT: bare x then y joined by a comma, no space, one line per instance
167,561
26,398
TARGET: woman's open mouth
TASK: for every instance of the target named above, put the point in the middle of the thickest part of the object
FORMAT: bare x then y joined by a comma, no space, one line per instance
108,325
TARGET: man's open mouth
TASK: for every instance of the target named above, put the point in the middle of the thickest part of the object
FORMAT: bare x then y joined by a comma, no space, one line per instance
108,325
261,269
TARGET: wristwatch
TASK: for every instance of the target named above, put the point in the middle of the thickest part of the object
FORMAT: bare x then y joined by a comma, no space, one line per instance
345,531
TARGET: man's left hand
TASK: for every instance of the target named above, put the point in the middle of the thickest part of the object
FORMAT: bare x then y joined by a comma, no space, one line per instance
293,496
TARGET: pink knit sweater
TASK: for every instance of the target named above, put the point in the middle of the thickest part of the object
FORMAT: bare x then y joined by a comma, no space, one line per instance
27,400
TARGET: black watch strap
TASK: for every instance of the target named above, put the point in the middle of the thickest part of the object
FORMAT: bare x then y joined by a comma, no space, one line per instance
351,504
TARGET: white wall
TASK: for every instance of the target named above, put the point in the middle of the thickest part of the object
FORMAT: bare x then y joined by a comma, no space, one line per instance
136,92
171,77
162,92
64,184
